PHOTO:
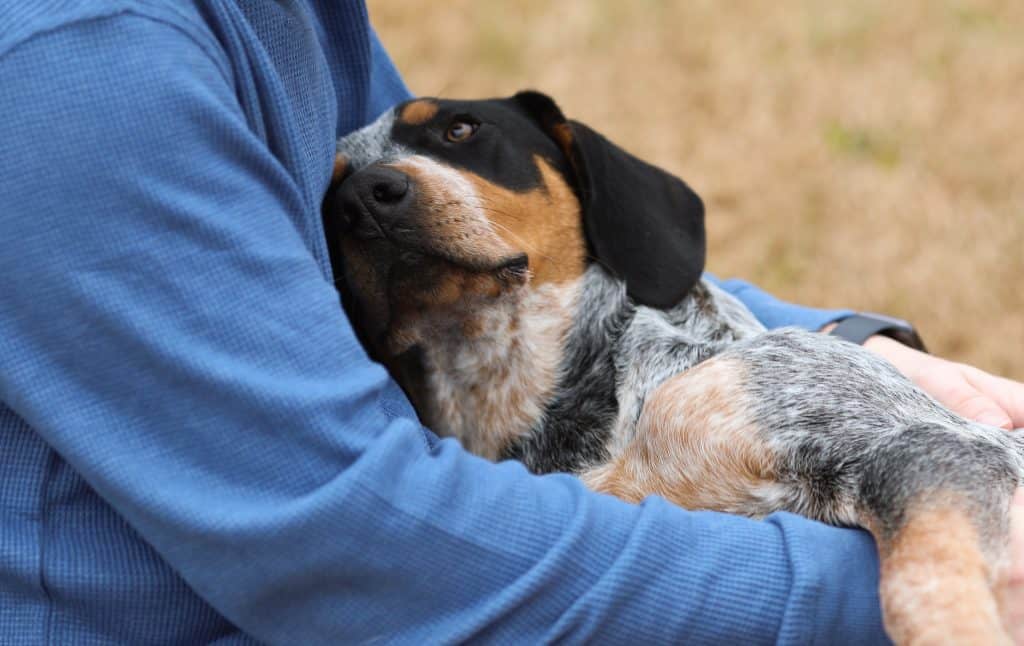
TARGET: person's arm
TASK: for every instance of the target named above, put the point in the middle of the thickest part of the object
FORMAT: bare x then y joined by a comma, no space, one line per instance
773,312
166,328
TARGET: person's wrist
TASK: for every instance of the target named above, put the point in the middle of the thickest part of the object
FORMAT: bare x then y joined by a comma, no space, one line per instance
860,326
879,342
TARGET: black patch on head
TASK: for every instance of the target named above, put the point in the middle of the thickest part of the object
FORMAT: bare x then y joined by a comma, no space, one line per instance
501,151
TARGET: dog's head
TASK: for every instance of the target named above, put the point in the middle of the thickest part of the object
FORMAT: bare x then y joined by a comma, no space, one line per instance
439,204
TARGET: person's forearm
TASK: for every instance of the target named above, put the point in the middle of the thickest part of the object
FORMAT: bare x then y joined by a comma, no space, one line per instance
773,312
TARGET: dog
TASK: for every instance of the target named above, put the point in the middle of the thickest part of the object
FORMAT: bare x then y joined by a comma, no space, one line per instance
536,290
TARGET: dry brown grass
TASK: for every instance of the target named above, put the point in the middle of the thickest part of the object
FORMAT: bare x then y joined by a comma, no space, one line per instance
865,154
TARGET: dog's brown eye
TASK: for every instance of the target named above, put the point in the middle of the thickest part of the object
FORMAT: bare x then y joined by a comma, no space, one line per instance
460,131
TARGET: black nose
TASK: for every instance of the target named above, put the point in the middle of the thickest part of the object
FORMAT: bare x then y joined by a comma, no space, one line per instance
386,186
376,193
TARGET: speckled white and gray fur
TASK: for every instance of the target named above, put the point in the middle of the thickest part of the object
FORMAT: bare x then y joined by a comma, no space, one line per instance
372,143
852,439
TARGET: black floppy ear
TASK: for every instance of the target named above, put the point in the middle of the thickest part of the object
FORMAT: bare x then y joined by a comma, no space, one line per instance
641,222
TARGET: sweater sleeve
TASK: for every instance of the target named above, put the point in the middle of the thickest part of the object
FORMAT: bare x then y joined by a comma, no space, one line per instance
773,312
165,328
386,86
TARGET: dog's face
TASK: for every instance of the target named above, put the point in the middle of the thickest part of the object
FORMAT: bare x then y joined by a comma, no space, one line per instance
444,206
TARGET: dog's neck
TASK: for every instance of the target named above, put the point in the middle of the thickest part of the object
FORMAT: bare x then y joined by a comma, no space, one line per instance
545,374
488,376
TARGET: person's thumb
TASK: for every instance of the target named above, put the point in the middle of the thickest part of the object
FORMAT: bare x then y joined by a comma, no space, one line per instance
973,404
1007,394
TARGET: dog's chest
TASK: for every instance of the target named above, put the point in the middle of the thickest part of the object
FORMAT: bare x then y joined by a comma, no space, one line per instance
616,355
490,379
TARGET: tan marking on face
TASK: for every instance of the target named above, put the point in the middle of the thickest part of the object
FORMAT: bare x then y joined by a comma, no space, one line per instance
696,445
936,583
545,223
450,218
480,223
418,112
340,164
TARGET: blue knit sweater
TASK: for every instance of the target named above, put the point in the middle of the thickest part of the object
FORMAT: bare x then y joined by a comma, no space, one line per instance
193,445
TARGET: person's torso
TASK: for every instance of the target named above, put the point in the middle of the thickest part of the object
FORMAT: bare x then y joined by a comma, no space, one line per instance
71,570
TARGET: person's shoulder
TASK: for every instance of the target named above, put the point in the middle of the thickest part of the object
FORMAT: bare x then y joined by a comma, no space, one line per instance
23,21
126,73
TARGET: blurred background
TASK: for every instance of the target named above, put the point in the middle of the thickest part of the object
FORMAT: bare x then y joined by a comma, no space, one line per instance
862,154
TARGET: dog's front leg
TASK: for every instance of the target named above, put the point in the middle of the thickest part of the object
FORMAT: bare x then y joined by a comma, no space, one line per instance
936,500
934,497
937,580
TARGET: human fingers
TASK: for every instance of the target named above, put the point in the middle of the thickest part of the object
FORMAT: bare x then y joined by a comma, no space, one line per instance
951,387
1007,393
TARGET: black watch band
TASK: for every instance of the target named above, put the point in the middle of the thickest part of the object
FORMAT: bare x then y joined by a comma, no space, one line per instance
859,327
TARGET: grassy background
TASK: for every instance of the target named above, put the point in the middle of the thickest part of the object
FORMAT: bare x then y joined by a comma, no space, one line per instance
863,154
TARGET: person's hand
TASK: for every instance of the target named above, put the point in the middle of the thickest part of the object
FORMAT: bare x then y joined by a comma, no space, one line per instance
1011,584
968,391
